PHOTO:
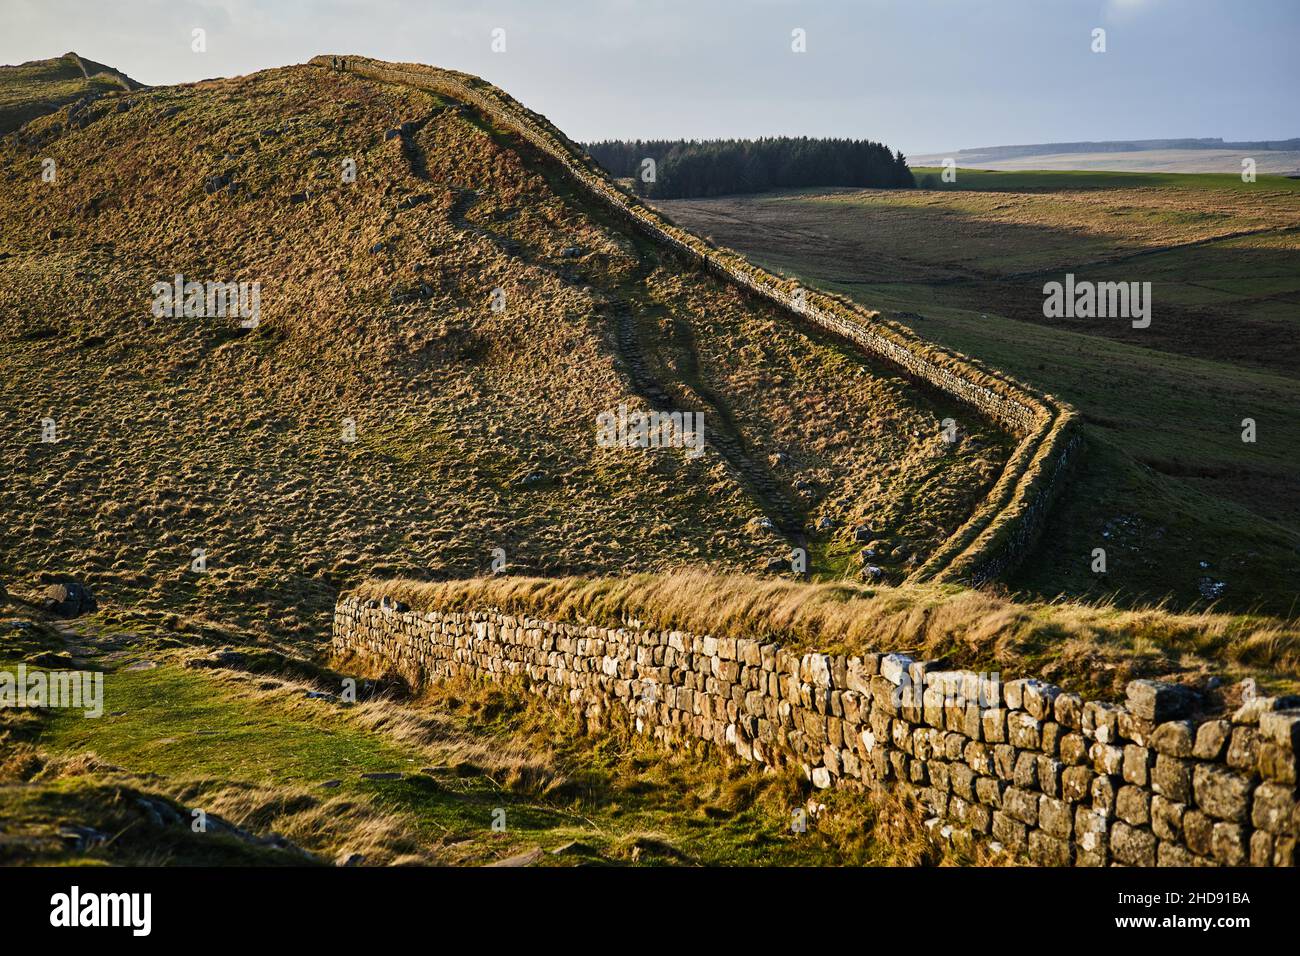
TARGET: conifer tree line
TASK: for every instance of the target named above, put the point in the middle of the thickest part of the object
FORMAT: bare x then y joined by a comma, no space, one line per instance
715,167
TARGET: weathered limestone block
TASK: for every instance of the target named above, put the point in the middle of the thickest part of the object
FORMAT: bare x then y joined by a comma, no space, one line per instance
1025,774
1074,750
1049,776
1132,845
1198,831
1137,764
1221,793
1243,748
1175,738
1171,854
1021,805
1133,805
1229,844
1101,721
989,791
1167,818
894,667
1068,711
1106,758
1090,832
1010,832
1212,740
1172,778
1055,817
1023,730
1274,807
1004,761
1076,783
993,725
1157,701
1046,850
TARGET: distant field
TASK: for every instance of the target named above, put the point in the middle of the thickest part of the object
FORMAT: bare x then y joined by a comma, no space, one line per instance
1146,160
1168,488
1018,180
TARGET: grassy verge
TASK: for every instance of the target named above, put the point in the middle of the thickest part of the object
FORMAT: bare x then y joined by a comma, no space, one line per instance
466,774
1090,648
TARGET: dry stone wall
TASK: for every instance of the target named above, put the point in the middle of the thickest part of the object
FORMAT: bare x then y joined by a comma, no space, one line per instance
1006,526
1060,780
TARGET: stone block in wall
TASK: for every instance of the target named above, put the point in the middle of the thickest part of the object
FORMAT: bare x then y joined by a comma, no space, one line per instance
993,724
1039,698
1172,778
1073,749
1279,764
1068,710
1049,775
1055,817
1261,848
894,667
1046,850
1158,701
1229,844
1076,783
1284,850
1171,854
1049,738
1212,740
1243,748
1133,805
1137,764
1281,727
1023,730
979,758
989,791
1091,830
1221,793
962,780
1198,831
1010,832
1025,772
1107,759
1021,805
1104,790
1129,727
1274,807
1167,818
1101,721
1132,845
1175,738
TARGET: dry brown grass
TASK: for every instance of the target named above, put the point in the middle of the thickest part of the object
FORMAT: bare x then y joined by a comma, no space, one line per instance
184,433
1092,648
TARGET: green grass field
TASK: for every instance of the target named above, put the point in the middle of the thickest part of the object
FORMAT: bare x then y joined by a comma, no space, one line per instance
469,774
1184,508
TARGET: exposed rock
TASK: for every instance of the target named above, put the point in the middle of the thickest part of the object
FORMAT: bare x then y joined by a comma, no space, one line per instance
68,599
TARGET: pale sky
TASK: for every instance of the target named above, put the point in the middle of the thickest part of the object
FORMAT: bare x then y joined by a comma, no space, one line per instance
921,75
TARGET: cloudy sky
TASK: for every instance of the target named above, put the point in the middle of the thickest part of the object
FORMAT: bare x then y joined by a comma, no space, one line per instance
923,75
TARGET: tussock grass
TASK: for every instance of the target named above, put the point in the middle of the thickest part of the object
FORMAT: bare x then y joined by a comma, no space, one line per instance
1093,648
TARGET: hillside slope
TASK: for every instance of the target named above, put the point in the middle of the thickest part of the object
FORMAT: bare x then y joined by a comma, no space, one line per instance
191,438
38,87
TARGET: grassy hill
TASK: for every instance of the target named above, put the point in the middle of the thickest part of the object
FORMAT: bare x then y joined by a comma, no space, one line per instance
34,89
474,428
